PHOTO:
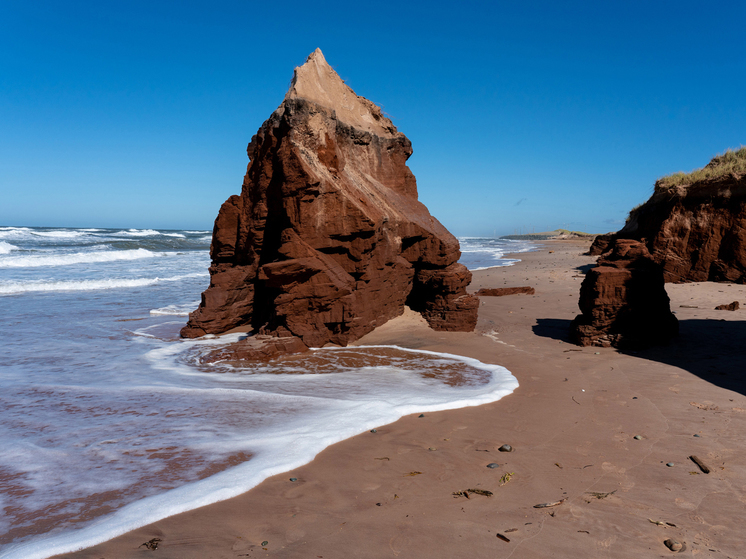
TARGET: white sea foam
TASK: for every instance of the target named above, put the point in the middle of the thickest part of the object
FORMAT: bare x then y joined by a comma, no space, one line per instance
60,234
139,233
175,310
16,287
5,248
297,416
39,260
484,253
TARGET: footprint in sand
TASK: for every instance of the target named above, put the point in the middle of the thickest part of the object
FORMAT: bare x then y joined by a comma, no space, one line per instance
684,504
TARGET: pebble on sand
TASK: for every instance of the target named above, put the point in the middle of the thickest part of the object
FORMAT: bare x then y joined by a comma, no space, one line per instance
638,438
505,448
673,545
293,479
670,464
493,465
374,430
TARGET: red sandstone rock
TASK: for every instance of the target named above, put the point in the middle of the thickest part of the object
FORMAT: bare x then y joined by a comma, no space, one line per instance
501,291
734,306
327,239
253,348
624,301
697,232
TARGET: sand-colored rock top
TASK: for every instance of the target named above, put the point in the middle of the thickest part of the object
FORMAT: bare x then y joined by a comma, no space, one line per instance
316,81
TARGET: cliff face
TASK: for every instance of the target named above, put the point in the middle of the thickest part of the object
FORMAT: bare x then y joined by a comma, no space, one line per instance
624,301
327,239
696,231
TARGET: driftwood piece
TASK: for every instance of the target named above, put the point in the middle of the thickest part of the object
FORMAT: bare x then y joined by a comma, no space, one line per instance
501,291
702,466
547,505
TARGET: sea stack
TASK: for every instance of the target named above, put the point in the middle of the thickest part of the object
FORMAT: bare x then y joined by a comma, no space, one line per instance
694,224
624,301
327,239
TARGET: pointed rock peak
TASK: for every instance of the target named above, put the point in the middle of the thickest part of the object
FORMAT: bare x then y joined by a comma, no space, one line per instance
316,81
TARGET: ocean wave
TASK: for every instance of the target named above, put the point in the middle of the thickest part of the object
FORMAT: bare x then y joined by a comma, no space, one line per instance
60,234
38,260
17,287
175,310
5,248
138,233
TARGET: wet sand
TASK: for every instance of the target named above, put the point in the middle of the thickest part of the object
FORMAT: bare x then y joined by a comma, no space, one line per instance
572,425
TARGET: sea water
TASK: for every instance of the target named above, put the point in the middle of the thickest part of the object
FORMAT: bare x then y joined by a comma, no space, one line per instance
110,421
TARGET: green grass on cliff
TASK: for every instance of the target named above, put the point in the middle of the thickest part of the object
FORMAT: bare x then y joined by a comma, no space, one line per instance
732,161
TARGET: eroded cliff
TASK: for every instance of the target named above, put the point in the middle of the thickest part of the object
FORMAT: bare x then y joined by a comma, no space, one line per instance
694,225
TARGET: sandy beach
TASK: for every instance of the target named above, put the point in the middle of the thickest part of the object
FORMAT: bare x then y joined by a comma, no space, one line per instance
594,428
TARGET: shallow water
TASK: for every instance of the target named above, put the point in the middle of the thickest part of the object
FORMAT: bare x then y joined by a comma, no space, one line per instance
111,421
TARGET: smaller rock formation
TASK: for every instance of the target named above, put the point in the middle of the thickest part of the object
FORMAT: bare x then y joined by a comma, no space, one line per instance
624,301
501,291
734,306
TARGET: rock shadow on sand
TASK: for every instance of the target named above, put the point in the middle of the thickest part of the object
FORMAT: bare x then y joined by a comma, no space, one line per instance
554,328
709,348
712,349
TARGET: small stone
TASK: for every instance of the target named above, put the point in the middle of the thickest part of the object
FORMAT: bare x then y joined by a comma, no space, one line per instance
265,542
374,430
696,435
378,504
673,545
421,415
634,397
638,438
493,465
597,353
293,479
670,464
505,448
432,448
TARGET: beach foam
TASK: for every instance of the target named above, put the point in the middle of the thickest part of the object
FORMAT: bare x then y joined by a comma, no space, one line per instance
175,310
479,253
279,414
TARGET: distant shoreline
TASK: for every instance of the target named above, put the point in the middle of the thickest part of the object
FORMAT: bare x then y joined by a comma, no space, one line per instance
557,235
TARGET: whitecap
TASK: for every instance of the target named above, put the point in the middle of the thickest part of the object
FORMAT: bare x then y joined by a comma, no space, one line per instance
5,248
40,260
139,233
16,287
59,234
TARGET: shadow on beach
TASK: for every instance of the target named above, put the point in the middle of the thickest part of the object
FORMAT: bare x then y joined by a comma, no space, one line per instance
712,349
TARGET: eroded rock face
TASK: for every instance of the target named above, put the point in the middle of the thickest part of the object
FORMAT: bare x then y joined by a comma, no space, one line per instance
624,301
327,239
697,232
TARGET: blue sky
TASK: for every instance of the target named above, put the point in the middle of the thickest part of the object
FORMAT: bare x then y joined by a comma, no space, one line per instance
522,115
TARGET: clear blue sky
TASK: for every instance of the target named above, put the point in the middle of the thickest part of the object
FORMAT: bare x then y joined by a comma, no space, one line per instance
522,114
